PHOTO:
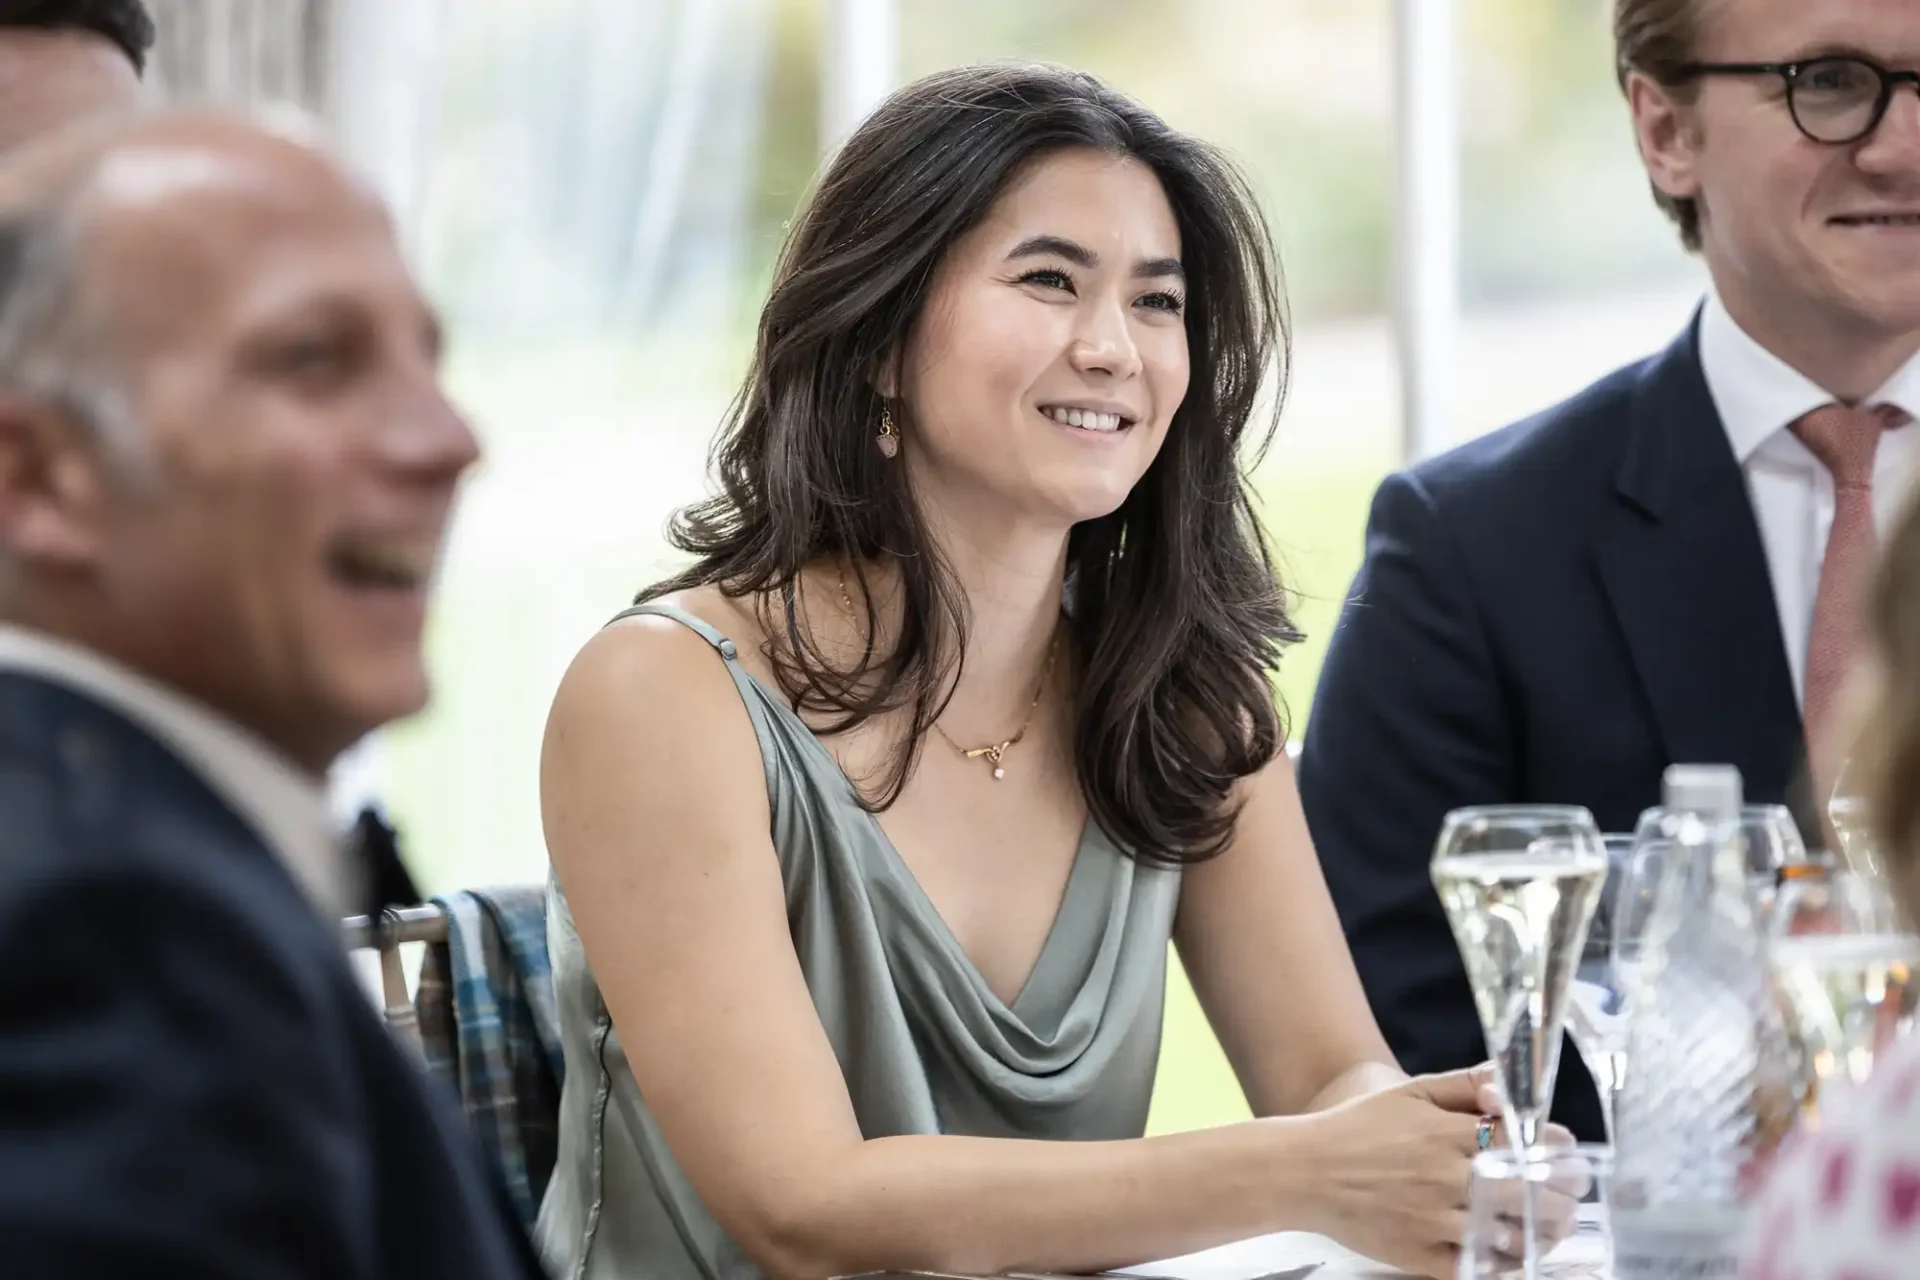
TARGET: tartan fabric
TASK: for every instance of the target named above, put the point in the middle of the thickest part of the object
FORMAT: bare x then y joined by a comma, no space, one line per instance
490,1033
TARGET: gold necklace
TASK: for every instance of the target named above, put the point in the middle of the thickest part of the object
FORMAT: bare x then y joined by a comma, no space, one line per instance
994,752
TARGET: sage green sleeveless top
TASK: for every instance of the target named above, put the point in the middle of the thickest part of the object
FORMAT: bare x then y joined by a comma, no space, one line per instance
925,1046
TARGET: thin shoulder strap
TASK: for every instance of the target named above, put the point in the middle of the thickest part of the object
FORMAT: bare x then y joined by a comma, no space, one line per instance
699,626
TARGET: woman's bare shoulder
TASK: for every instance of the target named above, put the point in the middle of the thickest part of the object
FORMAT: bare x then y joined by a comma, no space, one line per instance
647,719
653,677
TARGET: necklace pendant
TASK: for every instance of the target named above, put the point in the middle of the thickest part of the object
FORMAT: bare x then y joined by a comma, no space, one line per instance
998,773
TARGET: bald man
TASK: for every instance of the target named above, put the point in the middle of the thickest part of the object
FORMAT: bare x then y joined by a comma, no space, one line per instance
226,467
62,61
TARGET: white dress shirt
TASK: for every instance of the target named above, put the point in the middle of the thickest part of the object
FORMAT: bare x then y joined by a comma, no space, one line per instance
1759,396
285,807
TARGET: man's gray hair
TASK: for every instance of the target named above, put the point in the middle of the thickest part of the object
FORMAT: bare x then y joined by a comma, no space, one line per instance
50,352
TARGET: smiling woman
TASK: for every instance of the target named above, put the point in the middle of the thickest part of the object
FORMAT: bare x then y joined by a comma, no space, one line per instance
1081,259
1011,301
870,829
1093,171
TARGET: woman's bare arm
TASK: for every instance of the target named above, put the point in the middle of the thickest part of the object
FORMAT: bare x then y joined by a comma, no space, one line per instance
1262,945
657,821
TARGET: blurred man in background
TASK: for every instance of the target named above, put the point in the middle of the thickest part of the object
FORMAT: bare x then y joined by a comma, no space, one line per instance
64,60
1666,567
226,467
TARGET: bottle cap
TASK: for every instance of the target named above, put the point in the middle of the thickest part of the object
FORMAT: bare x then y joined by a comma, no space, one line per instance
1709,790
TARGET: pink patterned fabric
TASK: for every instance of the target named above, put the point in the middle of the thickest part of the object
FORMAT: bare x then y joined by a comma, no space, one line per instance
1844,1200
1844,439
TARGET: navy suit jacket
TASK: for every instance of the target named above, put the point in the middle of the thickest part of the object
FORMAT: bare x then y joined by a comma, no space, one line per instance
192,1079
1553,613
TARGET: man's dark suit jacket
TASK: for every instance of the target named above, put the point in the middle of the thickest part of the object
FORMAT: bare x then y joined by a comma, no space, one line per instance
193,1082
1553,613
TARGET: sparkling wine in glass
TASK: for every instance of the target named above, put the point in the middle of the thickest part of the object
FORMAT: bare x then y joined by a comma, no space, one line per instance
1519,884
1849,979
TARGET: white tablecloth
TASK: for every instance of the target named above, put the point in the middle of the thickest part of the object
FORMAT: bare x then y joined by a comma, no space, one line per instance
1267,1255
1580,1258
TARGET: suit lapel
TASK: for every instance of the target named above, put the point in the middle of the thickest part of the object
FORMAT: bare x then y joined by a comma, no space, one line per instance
1686,574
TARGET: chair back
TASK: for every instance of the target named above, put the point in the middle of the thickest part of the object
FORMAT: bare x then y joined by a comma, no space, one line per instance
483,1020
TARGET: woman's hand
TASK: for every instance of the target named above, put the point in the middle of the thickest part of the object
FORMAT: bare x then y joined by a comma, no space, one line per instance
1395,1167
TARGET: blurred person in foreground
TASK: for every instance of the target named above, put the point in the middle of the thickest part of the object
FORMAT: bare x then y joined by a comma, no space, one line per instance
1664,568
870,829
226,466
1843,1202
65,60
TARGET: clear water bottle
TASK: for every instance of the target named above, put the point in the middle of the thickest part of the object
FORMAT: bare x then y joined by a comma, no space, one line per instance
1709,1095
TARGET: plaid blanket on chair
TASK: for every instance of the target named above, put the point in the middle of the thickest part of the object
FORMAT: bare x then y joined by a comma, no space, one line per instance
489,1031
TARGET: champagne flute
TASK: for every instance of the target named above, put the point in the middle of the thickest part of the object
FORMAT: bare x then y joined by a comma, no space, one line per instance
1519,884
1848,978
1563,1190
1601,1000
1633,908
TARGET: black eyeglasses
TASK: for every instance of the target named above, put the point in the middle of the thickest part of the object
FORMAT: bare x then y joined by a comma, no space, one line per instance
1833,100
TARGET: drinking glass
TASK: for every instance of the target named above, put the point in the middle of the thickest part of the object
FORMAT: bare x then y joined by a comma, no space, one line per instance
1634,906
1539,1213
1848,977
1822,897
1598,1008
1773,846
1852,825
1519,884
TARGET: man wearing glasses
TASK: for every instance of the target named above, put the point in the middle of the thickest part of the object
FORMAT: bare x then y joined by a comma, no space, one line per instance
1665,567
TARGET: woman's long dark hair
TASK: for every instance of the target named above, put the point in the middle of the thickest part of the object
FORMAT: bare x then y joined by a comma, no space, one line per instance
1177,618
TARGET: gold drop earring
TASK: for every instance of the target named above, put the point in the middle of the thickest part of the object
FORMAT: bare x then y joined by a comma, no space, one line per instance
889,437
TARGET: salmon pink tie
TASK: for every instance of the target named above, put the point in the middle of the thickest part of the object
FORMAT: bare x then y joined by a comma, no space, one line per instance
1844,439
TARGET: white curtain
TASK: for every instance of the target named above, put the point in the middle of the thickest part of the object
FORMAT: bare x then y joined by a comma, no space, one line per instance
367,69
594,156
240,52
613,140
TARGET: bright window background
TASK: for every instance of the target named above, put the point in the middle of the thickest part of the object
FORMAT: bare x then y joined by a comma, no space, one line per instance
609,181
